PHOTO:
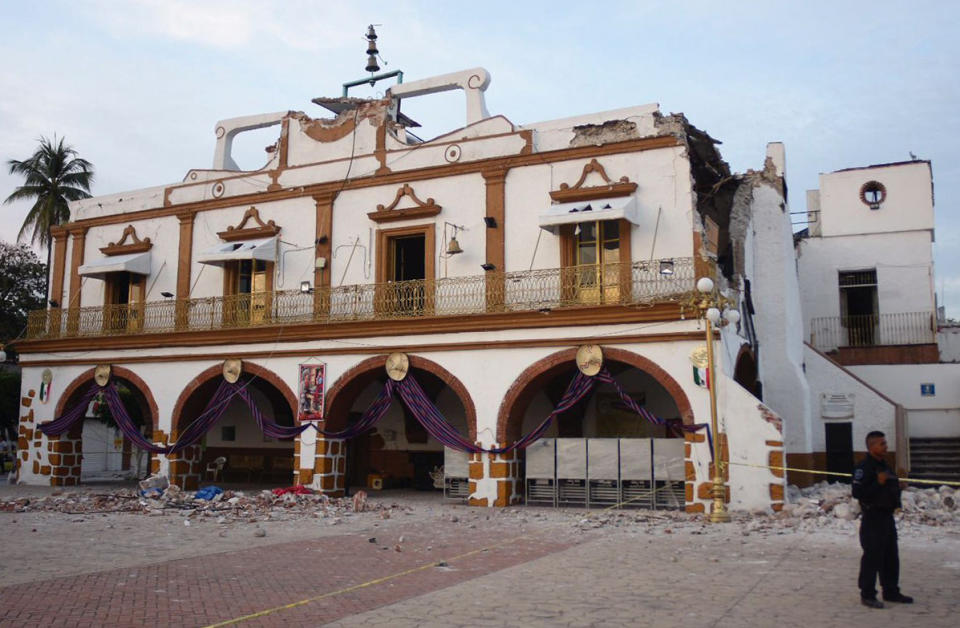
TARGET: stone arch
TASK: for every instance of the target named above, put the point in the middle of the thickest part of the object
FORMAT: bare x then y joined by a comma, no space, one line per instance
82,381
520,393
217,370
353,381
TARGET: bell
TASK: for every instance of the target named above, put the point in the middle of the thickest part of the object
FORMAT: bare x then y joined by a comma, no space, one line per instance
372,49
372,64
454,247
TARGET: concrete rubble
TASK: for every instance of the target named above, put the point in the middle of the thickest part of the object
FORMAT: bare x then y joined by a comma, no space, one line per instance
821,506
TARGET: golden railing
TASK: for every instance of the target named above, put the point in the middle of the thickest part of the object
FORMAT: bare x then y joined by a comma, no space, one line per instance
536,290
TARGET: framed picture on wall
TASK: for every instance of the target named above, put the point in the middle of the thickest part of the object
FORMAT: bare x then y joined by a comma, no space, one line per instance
313,382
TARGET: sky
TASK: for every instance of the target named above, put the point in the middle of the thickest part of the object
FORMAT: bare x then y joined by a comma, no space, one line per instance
136,86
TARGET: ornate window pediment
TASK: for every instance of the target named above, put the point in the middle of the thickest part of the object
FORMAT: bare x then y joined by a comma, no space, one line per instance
122,247
243,232
420,210
577,191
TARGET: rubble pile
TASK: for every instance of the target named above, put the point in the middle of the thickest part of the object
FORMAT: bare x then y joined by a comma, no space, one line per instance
823,502
227,506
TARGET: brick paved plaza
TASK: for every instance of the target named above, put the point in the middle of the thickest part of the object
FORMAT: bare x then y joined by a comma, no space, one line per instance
533,568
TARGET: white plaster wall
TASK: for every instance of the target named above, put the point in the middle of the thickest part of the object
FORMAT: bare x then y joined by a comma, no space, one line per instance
297,219
770,266
904,272
748,424
462,200
927,417
557,134
164,234
908,205
663,180
118,203
872,411
948,341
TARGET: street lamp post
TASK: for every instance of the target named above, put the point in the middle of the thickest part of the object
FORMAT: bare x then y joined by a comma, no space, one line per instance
709,306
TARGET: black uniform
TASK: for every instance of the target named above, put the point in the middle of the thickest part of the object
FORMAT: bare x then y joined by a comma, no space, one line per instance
878,531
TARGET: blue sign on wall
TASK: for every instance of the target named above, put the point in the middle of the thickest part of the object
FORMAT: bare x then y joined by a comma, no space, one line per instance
928,390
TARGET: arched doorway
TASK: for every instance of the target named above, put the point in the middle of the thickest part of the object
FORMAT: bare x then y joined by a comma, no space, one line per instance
94,449
745,372
398,452
250,456
599,452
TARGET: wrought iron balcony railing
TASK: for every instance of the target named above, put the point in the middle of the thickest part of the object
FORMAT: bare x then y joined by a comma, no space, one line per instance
547,289
905,328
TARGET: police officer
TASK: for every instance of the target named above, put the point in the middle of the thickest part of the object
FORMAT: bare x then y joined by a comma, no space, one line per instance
878,489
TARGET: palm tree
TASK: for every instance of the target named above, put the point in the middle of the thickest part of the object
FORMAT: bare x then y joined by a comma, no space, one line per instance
53,175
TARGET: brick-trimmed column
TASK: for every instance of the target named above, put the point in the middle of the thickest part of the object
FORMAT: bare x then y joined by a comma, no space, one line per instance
775,458
65,457
495,208
329,466
185,468
79,238
494,479
184,265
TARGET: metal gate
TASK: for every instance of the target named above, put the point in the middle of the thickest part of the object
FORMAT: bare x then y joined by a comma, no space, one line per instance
632,472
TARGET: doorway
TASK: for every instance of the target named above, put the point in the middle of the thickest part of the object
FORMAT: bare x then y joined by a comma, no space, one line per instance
839,437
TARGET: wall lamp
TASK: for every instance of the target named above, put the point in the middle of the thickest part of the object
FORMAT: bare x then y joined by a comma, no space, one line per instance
490,221
166,295
488,266
54,303
305,287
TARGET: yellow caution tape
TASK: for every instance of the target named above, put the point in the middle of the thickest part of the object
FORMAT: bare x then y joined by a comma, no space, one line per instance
835,473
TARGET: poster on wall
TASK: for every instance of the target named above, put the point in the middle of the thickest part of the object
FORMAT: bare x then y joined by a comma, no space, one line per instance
312,383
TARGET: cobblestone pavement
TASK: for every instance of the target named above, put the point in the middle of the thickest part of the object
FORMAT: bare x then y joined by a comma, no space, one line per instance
219,587
514,567
718,577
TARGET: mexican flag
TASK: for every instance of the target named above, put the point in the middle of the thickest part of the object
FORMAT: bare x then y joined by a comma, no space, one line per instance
701,376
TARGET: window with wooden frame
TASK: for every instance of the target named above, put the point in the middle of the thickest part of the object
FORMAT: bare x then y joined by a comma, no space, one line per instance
123,301
595,257
406,270
247,287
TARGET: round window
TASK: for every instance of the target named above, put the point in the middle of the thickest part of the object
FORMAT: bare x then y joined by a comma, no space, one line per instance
872,193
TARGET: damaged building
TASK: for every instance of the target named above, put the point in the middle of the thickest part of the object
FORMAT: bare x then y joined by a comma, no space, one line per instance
508,311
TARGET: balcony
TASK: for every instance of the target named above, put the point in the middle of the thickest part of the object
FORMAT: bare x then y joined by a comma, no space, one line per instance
905,337
638,283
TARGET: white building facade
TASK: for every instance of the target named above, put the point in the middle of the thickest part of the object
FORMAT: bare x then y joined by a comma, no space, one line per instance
482,260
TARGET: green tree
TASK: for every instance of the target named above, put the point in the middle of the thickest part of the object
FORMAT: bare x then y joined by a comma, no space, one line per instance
53,175
22,287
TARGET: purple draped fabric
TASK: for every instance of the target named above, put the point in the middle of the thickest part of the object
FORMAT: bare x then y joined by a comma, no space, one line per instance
268,427
430,418
370,416
605,377
65,421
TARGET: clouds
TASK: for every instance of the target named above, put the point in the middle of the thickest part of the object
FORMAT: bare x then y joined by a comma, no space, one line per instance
137,85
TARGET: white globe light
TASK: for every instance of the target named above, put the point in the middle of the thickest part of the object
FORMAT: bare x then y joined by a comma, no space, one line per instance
732,316
705,285
713,315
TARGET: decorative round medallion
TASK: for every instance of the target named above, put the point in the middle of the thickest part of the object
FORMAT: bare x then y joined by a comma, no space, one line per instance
232,367
193,175
698,357
218,189
452,153
101,374
589,359
397,366
221,132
